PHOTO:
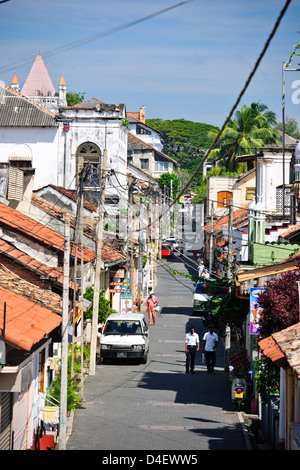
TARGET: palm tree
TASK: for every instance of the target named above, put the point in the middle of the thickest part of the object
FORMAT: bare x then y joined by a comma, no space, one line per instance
250,130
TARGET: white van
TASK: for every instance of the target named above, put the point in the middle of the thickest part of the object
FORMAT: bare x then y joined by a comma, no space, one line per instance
125,336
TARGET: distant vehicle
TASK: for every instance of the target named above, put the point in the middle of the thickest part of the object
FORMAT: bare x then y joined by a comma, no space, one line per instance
172,241
166,250
175,244
125,336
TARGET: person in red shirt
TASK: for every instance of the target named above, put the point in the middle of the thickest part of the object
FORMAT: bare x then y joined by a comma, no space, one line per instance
152,302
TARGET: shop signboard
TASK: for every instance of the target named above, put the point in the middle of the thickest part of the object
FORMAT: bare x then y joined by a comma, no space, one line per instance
256,310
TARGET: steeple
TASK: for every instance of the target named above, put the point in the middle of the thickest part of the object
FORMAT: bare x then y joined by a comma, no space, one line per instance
39,87
38,82
15,83
62,93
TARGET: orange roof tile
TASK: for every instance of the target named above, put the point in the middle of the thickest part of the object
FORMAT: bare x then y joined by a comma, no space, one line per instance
40,233
27,322
240,218
44,297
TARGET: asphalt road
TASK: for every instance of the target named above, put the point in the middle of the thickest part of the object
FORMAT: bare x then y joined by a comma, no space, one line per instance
156,406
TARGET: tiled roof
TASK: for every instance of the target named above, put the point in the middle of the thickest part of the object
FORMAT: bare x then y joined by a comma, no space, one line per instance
284,345
23,224
44,297
90,103
9,251
135,142
27,322
71,195
289,342
109,253
16,110
240,219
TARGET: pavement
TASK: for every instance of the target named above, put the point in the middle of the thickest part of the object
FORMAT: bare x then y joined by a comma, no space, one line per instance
157,406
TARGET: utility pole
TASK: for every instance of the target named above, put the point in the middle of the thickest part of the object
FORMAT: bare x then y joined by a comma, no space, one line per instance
230,228
140,261
64,341
93,350
229,276
211,238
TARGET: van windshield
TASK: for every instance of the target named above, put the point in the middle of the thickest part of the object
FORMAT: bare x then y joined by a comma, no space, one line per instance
122,327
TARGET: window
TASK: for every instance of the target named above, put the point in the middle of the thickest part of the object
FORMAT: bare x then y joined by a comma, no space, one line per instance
161,166
88,154
250,194
223,198
140,130
144,163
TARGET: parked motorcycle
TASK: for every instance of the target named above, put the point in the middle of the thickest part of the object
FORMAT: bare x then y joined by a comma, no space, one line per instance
238,391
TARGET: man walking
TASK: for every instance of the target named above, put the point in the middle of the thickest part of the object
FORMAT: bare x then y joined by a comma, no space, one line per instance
210,342
192,345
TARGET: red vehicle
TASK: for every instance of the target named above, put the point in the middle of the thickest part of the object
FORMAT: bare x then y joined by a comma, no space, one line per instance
166,250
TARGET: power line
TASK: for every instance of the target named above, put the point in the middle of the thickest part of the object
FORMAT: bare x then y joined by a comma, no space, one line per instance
79,42
251,75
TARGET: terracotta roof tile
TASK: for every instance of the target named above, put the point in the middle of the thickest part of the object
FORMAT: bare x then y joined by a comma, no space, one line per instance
240,218
40,233
44,297
26,321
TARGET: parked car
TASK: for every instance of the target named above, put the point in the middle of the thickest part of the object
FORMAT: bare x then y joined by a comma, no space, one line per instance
125,336
199,298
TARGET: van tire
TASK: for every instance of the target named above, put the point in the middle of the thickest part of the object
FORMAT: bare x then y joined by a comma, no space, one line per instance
144,359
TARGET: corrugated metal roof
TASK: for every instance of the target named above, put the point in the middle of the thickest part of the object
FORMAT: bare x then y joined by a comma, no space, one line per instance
16,110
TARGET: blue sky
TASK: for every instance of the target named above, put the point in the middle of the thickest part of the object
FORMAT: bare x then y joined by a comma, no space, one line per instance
190,62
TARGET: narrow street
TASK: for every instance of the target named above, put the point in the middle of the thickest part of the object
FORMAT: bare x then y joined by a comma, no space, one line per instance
157,406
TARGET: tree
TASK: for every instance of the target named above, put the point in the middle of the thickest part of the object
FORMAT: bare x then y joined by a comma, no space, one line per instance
183,140
74,98
104,309
224,305
280,303
290,126
249,130
165,180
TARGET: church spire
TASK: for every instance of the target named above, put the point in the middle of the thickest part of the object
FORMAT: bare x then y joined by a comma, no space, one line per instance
38,82
15,83
62,93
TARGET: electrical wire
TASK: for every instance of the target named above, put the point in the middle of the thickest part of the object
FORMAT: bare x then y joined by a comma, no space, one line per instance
79,42
242,92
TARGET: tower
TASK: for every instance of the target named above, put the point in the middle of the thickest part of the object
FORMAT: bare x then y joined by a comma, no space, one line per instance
39,87
15,83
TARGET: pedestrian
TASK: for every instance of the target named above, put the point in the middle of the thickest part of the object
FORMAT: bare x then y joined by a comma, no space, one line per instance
200,268
205,274
210,342
151,303
192,345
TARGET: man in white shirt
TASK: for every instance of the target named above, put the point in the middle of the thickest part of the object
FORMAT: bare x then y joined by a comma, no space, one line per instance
210,342
192,345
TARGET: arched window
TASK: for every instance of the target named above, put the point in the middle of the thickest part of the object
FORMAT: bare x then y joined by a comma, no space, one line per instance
89,154
223,198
